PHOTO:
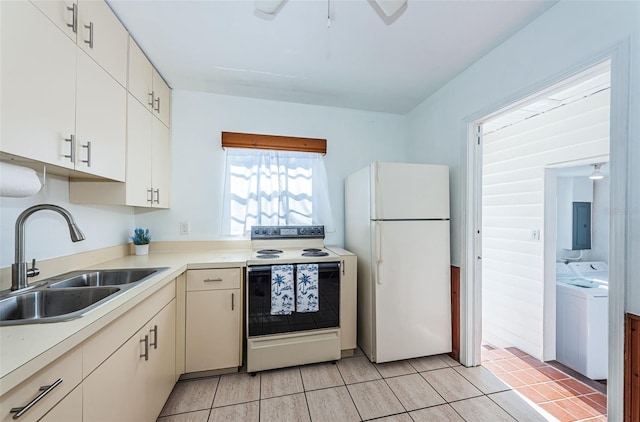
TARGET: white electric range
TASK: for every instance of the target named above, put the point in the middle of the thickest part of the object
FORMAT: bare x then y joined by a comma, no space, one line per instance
297,335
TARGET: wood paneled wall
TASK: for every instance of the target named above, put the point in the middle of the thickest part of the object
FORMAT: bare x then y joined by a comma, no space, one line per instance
455,312
632,368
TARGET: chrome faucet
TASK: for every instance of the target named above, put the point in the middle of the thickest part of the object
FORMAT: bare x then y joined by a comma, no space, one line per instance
20,270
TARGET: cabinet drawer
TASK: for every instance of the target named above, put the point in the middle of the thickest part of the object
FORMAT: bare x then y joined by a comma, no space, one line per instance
68,368
214,279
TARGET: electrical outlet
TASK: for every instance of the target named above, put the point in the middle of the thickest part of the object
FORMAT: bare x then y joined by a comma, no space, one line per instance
185,227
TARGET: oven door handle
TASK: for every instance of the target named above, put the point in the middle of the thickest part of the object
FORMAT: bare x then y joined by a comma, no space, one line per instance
321,266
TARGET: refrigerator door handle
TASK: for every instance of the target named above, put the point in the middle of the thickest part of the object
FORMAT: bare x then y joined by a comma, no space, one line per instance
378,246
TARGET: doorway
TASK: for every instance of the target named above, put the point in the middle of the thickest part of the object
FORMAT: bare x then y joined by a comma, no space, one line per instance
519,153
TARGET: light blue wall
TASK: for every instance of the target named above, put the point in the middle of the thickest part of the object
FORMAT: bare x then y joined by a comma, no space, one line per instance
354,139
567,35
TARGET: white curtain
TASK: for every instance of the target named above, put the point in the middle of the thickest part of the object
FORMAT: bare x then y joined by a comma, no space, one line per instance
276,188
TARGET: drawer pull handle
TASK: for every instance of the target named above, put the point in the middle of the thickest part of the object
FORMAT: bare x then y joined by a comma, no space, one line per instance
145,340
209,280
46,389
74,20
232,301
72,151
151,97
90,41
88,147
154,330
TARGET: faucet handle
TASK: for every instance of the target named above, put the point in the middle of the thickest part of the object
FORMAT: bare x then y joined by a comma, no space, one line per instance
33,271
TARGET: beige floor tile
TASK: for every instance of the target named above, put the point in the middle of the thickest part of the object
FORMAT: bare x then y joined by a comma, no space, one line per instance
402,417
374,399
357,370
449,360
483,379
428,363
394,369
188,396
245,412
237,388
450,384
321,375
481,409
199,416
332,405
280,382
414,392
436,414
517,407
285,408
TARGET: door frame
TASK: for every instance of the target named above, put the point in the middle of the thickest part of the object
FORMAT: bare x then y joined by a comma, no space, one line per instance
471,271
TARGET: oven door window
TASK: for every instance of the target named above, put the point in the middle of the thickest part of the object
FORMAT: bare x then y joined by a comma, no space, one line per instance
259,319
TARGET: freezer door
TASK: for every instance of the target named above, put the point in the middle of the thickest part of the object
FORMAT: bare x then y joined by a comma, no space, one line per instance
409,191
412,289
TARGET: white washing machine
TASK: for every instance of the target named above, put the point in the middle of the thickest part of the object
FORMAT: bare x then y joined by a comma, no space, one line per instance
582,323
593,270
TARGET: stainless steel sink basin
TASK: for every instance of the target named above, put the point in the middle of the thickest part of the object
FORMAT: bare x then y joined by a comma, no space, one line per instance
103,277
70,295
51,305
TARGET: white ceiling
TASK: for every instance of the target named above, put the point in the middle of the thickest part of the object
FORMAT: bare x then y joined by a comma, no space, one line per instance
361,61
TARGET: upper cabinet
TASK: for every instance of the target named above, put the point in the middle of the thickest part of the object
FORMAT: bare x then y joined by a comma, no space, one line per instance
63,13
93,26
66,70
102,36
38,89
147,86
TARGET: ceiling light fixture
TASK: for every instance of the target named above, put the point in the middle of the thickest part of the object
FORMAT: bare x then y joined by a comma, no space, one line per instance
388,7
596,175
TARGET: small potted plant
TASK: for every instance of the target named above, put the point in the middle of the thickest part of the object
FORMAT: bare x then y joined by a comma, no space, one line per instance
141,239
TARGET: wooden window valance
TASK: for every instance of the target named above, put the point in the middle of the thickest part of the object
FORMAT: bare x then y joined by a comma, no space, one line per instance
281,143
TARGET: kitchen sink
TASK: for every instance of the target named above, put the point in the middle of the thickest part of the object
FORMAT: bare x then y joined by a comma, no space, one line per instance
70,295
51,305
103,277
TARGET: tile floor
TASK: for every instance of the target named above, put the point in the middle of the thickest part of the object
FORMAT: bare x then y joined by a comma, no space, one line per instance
555,391
434,388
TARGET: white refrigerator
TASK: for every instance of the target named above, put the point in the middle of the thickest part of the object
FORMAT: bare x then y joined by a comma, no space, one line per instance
397,223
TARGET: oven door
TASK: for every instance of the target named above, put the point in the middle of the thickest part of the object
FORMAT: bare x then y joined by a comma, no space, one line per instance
260,322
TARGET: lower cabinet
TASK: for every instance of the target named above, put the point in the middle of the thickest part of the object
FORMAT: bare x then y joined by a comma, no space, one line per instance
134,383
213,319
69,409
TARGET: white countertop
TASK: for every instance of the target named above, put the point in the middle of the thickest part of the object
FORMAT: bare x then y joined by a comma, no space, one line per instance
25,349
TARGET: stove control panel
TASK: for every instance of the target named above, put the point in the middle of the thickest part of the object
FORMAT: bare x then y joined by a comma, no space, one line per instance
287,232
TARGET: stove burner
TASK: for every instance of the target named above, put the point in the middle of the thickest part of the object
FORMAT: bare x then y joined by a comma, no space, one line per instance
267,256
318,253
312,250
268,251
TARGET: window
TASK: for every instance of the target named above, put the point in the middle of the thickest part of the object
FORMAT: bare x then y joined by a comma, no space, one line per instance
269,187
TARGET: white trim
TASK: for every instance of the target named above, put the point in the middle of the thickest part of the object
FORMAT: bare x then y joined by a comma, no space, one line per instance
471,311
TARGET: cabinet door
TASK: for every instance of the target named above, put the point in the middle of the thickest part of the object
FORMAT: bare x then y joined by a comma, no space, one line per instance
348,303
102,36
116,390
38,88
100,122
161,371
161,164
68,410
162,102
140,75
213,330
61,13
139,154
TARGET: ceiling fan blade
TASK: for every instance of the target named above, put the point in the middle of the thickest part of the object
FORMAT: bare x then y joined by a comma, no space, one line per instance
267,6
390,7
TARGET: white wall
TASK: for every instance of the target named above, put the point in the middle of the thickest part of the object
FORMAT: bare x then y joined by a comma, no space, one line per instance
514,162
559,40
46,232
354,139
